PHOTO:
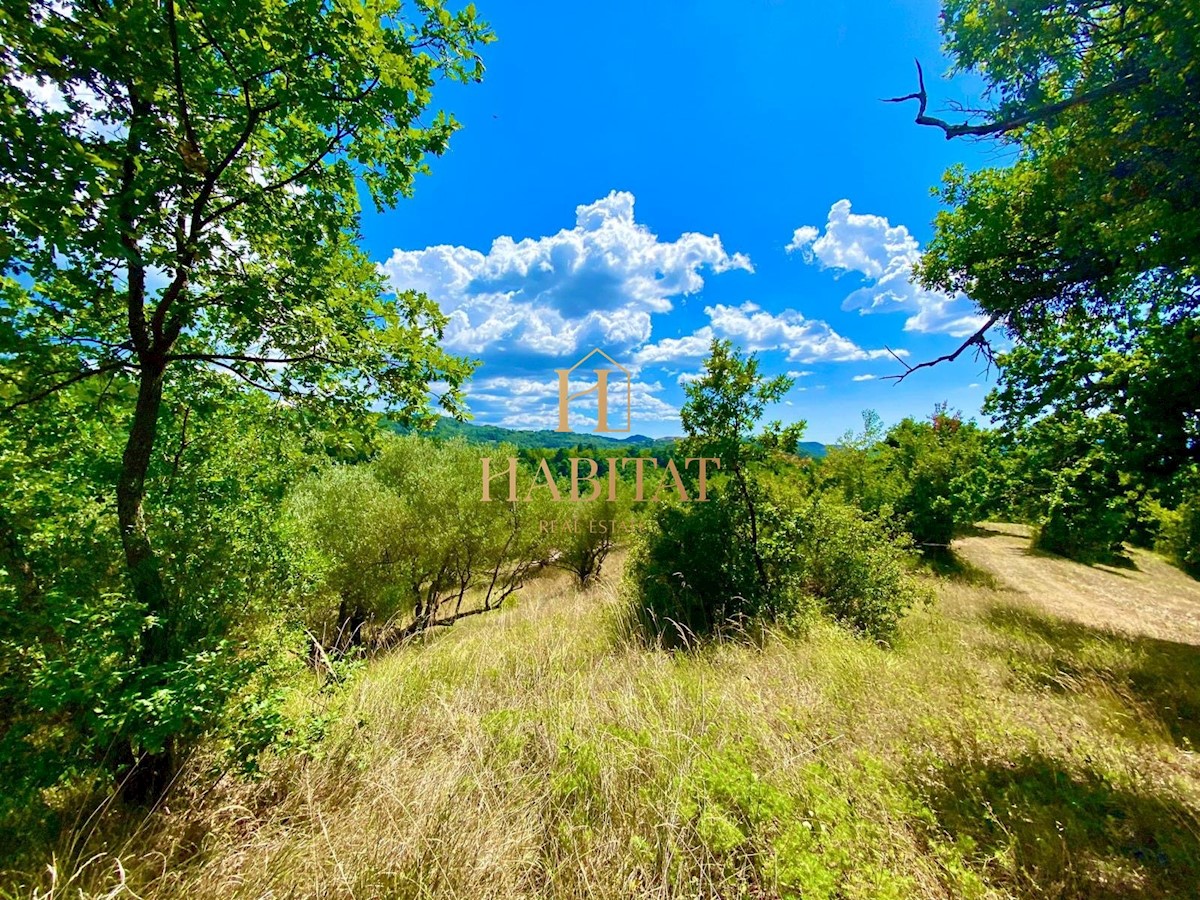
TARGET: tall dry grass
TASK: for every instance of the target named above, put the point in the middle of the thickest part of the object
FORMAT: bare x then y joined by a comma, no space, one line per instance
539,752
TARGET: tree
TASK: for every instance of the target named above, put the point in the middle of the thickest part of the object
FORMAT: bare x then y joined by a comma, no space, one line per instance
1136,366
403,544
723,407
73,690
932,465
1099,102
922,475
1101,413
762,548
586,533
179,193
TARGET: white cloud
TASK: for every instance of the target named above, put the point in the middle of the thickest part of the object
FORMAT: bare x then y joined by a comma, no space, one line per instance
863,378
692,346
799,374
884,254
802,339
754,329
597,283
802,237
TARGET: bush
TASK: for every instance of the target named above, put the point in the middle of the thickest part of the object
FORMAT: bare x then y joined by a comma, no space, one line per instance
758,550
1086,515
927,474
584,539
687,577
852,567
403,543
77,702
1179,535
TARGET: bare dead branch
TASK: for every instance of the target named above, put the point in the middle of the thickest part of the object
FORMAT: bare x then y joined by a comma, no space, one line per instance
977,340
962,129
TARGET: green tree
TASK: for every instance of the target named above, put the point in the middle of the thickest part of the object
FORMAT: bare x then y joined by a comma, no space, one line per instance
1098,104
922,475
1084,247
724,405
403,543
934,465
73,691
188,201
1103,405
587,532
1138,367
761,548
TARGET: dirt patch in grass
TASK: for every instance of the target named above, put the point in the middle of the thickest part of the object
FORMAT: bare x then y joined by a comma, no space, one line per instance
1145,595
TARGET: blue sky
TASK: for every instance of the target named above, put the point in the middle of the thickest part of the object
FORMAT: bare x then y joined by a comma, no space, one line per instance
642,177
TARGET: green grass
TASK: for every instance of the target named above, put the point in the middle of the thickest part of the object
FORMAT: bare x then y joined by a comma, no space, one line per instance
992,752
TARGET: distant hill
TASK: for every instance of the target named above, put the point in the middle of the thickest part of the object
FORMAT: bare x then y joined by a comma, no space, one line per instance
552,440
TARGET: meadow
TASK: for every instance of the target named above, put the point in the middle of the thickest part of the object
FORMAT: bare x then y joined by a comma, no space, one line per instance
995,750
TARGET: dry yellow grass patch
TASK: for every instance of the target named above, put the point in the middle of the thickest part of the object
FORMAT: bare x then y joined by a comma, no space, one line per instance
994,752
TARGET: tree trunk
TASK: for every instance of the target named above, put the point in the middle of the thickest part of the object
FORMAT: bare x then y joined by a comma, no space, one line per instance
151,772
764,581
352,618
14,561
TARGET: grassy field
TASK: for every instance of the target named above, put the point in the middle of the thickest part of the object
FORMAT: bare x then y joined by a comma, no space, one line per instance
997,750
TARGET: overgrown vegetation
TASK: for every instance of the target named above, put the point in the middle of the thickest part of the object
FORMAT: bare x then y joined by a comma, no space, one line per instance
402,543
760,550
178,238
993,751
226,577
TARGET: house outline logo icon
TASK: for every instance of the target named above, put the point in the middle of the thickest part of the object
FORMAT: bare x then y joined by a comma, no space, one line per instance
600,389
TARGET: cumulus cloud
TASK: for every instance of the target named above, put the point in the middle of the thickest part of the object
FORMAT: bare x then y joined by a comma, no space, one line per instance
754,329
692,346
863,378
597,283
884,255
802,339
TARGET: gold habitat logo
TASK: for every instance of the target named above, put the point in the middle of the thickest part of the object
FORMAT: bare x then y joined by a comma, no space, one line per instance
666,480
601,388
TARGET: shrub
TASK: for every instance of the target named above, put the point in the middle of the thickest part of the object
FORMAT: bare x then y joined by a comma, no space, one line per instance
583,540
928,474
78,703
1086,515
1179,535
758,550
688,576
403,543
850,565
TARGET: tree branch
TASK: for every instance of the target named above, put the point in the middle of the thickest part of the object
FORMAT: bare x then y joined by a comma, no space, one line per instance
238,357
74,379
1034,115
307,169
978,340
265,388
177,73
